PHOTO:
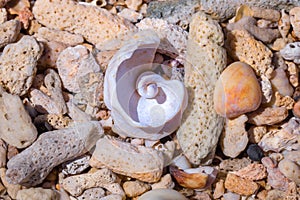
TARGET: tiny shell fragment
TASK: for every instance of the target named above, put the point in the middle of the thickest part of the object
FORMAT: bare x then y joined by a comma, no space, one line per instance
138,162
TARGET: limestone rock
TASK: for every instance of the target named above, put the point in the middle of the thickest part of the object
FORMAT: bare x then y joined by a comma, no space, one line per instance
252,172
9,32
234,164
292,51
240,185
50,54
16,75
73,63
234,138
165,182
199,133
12,189
3,15
105,178
36,194
3,153
295,19
268,116
290,169
59,36
135,188
280,83
16,126
102,25
138,162
31,166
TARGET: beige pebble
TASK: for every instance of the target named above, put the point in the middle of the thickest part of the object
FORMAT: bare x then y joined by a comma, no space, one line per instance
295,20
3,153
59,36
219,189
37,194
280,82
134,4
234,164
284,24
9,32
234,138
240,185
135,188
252,172
268,116
165,182
23,133
50,54
73,63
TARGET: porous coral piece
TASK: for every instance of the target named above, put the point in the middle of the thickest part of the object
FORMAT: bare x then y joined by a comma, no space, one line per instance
102,25
234,138
54,103
256,133
266,35
73,63
3,15
16,75
103,58
293,74
16,126
37,194
104,178
31,166
175,12
275,178
92,193
284,101
268,116
9,32
50,54
291,52
120,156
240,185
58,121
59,36
223,10
12,189
295,20
237,91
252,172
199,133
243,47
219,189
280,83
21,9
169,34
135,188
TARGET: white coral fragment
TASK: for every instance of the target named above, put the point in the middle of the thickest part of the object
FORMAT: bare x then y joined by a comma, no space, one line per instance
143,104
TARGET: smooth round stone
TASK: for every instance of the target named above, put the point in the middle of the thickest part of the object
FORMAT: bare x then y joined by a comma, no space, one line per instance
290,170
162,194
237,91
254,152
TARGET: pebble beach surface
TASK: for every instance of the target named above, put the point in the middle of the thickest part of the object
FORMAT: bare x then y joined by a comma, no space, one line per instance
149,100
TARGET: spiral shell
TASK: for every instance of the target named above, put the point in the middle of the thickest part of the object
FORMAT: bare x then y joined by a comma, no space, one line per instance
143,103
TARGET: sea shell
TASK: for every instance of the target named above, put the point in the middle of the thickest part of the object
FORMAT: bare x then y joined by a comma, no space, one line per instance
143,103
